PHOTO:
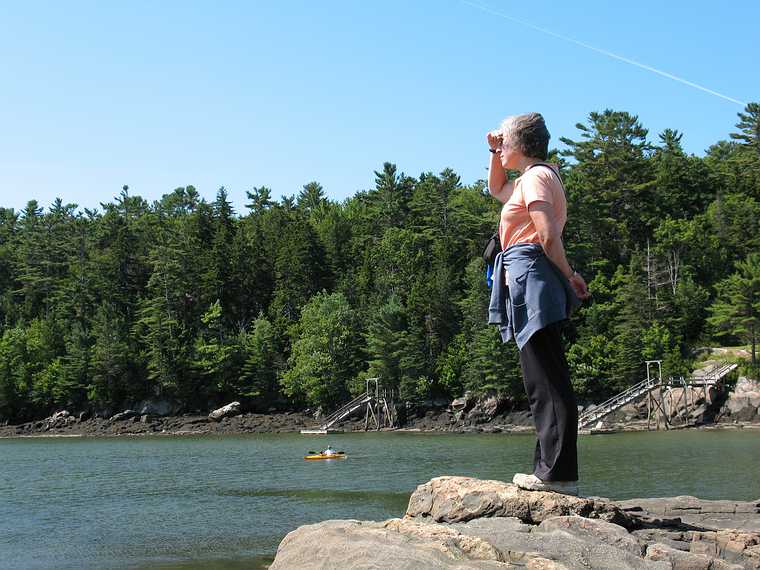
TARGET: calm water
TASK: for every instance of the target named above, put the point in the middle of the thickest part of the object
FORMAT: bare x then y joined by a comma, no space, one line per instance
227,501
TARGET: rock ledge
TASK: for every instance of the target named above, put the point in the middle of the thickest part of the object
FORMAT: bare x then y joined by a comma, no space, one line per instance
465,523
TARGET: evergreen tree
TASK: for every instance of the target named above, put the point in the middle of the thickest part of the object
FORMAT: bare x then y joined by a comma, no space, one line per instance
112,374
311,198
683,187
736,310
263,363
635,315
610,190
386,343
260,199
217,357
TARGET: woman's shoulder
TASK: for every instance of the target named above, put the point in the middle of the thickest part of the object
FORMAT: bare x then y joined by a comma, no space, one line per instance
543,174
543,171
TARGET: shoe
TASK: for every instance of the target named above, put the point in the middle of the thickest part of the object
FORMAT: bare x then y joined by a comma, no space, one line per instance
533,483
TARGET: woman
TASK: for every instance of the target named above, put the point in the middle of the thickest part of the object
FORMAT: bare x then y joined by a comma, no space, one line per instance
535,289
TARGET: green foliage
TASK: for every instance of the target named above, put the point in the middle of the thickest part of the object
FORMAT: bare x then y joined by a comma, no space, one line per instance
263,361
298,300
736,310
111,381
324,355
217,357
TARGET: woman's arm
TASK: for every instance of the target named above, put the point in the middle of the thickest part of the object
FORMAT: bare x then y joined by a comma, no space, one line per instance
541,213
498,186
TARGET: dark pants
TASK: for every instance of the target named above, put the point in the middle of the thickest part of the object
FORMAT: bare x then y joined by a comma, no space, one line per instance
552,402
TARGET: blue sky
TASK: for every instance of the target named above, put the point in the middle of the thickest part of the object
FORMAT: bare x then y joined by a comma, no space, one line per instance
158,95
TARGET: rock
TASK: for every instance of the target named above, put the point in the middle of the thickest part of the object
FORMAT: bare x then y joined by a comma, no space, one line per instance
460,404
59,419
712,514
84,416
679,560
591,529
144,419
461,522
455,499
125,415
677,398
485,408
520,546
231,409
743,403
398,544
539,563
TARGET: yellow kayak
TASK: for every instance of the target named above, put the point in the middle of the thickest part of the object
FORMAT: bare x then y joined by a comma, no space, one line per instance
336,455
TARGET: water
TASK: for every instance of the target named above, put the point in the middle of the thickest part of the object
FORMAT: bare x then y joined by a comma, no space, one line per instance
227,501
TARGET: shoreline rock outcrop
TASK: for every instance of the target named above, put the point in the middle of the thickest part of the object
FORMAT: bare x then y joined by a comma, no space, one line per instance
228,411
743,403
463,523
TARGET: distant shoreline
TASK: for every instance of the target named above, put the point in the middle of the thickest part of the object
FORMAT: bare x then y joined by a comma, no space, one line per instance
291,422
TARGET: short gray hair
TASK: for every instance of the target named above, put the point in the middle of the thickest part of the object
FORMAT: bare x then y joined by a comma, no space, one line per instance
528,134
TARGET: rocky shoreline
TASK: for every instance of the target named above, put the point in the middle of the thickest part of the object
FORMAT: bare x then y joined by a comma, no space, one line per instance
488,414
294,422
466,523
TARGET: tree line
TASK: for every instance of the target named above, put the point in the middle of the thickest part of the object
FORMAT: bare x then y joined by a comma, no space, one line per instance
293,303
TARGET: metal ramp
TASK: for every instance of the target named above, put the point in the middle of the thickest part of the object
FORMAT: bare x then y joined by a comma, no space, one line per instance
380,407
616,402
703,378
714,374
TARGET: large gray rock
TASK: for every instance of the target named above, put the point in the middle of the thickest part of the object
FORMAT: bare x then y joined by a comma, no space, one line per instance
743,403
125,415
679,560
485,408
741,515
59,419
396,543
461,404
455,499
231,409
461,522
571,545
593,530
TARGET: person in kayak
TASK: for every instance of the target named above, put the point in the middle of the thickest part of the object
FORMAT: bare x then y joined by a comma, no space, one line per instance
329,450
534,290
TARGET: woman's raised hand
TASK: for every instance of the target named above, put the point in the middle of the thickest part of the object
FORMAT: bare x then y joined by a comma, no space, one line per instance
494,138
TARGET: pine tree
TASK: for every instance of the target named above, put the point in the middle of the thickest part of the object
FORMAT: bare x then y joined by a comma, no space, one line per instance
683,187
635,314
262,365
217,357
385,343
111,378
736,310
311,198
610,190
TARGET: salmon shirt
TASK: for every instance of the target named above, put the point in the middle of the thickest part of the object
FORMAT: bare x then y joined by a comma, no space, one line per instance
539,183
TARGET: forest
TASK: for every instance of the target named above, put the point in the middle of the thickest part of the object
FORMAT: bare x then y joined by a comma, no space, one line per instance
293,303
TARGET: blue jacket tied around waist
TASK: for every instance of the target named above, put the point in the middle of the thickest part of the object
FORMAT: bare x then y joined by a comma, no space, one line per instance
536,296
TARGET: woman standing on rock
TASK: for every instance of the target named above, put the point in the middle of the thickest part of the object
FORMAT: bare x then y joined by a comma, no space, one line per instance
534,290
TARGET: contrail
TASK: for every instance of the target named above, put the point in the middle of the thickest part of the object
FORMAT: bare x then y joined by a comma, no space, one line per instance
605,52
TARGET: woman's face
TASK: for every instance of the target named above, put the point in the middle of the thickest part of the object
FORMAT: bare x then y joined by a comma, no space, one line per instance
510,156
